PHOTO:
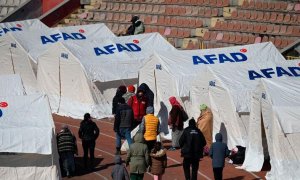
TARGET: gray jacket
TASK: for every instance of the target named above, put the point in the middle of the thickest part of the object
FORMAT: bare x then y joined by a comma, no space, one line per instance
218,152
119,172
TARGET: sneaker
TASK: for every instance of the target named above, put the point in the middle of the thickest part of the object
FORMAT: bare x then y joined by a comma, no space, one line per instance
172,149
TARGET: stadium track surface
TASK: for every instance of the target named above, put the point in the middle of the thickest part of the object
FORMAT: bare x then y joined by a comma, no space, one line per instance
105,149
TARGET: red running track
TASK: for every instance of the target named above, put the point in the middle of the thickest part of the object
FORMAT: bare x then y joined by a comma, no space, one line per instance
105,149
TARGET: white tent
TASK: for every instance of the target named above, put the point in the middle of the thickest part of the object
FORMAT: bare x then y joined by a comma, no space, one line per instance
17,26
172,74
36,42
67,72
11,85
27,139
274,128
14,60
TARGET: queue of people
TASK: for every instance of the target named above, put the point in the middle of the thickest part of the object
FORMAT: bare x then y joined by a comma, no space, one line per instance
146,153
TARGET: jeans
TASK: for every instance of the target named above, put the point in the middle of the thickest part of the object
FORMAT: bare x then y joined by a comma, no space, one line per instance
187,162
218,173
88,146
68,162
123,133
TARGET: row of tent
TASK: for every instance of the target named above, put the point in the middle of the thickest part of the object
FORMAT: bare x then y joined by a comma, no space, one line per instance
80,67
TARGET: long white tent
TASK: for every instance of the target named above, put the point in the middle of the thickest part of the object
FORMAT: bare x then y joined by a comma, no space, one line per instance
274,128
27,139
18,26
68,72
176,74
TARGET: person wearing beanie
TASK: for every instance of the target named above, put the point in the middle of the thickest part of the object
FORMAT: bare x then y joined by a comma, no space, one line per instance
119,93
67,147
191,142
130,92
138,103
205,124
119,171
150,127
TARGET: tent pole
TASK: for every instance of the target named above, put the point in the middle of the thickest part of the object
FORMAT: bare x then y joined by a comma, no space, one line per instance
155,85
12,61
59,81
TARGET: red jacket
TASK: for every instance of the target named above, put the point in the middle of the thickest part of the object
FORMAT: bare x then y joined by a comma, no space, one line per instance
138,106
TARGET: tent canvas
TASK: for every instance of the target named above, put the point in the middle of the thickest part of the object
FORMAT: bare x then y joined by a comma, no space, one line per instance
14,60
175,74
11,85
36,42
17,26
27,139
66,70
275,108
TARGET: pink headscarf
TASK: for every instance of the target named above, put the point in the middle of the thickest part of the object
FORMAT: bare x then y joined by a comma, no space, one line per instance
174,102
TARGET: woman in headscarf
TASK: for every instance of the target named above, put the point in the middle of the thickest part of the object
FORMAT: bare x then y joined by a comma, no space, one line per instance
205,124
175,122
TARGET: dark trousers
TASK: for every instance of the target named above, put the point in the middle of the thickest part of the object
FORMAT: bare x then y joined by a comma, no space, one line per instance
88,146
150,144
134,176
187,163
218,173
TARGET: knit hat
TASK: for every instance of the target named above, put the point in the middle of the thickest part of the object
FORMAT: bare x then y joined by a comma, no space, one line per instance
131,88
203,107
122,89
150,110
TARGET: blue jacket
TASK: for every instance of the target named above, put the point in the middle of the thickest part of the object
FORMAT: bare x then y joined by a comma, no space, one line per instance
218,152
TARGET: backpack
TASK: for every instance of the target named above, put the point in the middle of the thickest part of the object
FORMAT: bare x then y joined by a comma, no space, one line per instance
185,117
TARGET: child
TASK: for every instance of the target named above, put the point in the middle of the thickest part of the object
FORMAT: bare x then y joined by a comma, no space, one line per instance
159,161
218,152
119,171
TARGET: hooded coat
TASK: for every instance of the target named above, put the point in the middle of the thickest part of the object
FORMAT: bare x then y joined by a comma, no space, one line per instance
158,162
148,93
192,141
138,155
120,92
218,152
119,172
205,124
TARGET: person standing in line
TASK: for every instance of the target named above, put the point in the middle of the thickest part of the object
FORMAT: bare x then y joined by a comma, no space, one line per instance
130,93
122,124
175,122
158,161
119,93
191,142
88,133
205,124
150,127
67,147
119,171
218,152
138,103
138,158
148,93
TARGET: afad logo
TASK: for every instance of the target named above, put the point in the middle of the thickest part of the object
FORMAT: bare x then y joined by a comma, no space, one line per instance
274,72
112,48
53,38
4,30
2,105
221,58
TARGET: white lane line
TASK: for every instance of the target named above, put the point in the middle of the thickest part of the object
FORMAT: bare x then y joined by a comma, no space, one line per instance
98,174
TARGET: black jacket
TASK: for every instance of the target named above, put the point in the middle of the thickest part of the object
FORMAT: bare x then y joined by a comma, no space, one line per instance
148,93
192,143
116,100
124,117
88,130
